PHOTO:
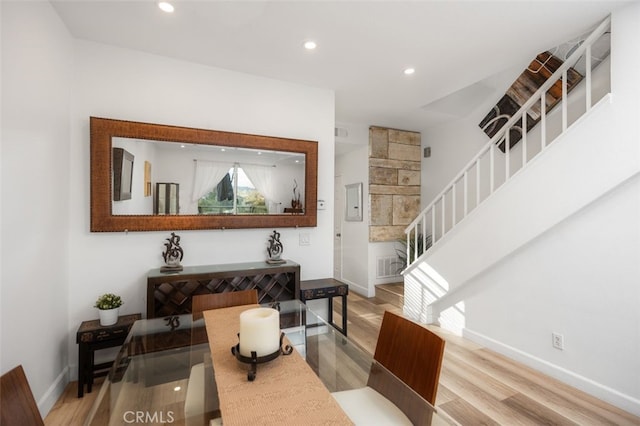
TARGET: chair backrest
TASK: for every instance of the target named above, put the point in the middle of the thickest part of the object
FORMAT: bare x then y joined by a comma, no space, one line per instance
17,404
410,352
204,302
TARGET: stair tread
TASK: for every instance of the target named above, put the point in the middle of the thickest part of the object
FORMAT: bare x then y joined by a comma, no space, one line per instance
391,293
396,288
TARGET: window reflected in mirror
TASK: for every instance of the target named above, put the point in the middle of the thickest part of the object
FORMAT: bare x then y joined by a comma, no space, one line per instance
235,193
212,180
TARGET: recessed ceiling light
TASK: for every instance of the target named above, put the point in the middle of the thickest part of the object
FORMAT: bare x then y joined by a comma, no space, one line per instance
409,71
177,388
310,45
182,146
166,6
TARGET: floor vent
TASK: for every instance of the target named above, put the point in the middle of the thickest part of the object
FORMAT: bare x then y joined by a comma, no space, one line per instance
387,267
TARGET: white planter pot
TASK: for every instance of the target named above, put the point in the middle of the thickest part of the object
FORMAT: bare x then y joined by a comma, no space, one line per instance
108,316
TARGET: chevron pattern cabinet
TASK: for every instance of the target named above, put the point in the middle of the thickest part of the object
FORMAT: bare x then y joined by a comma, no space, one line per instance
170,293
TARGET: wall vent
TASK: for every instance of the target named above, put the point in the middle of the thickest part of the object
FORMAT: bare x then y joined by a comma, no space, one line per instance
387,266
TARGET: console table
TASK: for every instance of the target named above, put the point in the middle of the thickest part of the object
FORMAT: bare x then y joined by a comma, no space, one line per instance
170,293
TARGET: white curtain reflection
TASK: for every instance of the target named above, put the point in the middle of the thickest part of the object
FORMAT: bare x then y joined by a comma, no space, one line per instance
207,176
262,178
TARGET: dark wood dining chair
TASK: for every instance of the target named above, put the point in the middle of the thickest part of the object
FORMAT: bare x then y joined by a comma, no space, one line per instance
412,353
204,302
405,372
17,404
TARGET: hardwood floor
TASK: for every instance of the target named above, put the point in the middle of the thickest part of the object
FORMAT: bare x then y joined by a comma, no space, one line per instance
477,386
481,387
70,410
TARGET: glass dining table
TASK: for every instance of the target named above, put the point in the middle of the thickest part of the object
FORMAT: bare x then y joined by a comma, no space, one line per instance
164,373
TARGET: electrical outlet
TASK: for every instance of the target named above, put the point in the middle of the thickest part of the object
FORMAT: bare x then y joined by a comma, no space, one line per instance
557,340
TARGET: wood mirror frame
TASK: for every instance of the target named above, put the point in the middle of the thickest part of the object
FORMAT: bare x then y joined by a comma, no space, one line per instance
102,220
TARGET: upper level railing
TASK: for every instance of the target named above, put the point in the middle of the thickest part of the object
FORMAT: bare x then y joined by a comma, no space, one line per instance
485,173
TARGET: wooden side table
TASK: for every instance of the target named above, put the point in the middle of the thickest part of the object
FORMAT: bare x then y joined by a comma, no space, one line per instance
327,288
91,336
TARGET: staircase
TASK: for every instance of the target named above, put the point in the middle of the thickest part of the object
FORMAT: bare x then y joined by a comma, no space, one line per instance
502,190
391,293
550,245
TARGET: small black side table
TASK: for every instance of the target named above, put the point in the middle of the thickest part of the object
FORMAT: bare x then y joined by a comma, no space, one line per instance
91,336
327,288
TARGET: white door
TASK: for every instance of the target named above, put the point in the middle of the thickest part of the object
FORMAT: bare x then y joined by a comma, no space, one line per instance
338,217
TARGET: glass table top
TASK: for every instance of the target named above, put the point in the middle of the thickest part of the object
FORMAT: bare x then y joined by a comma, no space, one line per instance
163,373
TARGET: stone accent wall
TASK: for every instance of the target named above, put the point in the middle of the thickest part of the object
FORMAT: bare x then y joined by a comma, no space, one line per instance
394,182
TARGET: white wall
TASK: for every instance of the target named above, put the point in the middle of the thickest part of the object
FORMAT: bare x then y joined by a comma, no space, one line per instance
117,83
579,280
353,167
37,71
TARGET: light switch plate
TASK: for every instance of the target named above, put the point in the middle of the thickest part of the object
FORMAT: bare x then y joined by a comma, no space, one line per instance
304,239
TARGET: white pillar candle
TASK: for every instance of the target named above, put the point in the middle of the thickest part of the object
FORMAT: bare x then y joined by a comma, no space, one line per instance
259,331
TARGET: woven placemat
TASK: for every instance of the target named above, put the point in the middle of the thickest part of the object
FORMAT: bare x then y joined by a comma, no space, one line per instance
285,391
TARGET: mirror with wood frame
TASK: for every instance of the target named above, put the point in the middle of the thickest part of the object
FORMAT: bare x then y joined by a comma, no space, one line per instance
182,178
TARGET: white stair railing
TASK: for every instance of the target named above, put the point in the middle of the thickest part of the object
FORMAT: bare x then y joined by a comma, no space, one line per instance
423,231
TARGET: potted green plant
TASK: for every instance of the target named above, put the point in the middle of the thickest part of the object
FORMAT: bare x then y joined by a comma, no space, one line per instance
404,257
108,306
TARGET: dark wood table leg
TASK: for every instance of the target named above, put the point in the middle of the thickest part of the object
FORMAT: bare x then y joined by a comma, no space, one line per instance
90,375
330,301
344,315
82,368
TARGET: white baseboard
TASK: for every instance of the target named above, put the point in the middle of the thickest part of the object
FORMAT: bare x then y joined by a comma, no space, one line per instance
598,390
73,372
51,396
363,291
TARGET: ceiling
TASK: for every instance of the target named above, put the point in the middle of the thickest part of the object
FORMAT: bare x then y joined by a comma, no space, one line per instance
363,46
